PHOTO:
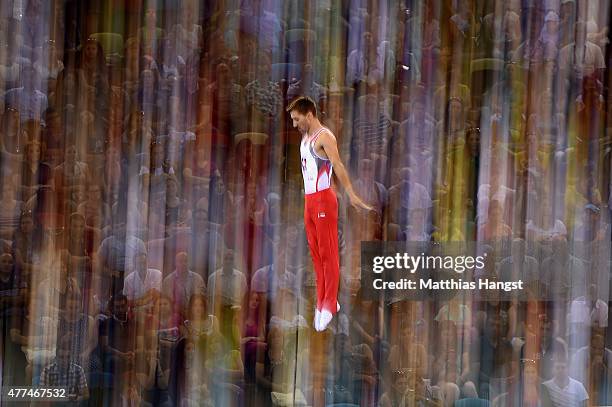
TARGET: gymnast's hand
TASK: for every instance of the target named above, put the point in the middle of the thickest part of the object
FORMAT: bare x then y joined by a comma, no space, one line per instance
358,203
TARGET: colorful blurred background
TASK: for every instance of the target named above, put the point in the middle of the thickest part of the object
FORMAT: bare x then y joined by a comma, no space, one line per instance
151,218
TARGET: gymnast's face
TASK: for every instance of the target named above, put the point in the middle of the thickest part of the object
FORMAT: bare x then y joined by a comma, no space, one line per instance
301,121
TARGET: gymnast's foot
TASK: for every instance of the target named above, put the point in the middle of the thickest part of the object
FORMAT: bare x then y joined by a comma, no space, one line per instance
326,318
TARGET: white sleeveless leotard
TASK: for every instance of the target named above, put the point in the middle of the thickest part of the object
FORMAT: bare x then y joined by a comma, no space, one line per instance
317,171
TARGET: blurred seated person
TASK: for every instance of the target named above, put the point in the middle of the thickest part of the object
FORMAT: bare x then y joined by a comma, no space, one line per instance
143,285
113,256
13,140
280,272
10,65
27,98
495,227
132,392
544,226
227,289
406,351
48,62
188,375
169,211
524,390
150,33
591,365
199,326
563,271
592,226
406,196
197,173
32,338
58,283
65,372
96,212
274,366
409,388
28,243
82,329
542,341
518,266
182,283
156,173
119,338
91,69
71,176
563,390
225,371
227,286
13,291
80,240
34,173
53,135
10,208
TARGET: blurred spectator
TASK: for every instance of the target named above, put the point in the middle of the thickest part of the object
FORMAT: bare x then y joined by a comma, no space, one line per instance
142,285
562,389
182,283
27,98
227,286
65,372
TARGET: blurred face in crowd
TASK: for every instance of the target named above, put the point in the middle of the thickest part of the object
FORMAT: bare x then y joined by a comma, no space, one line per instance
140,262
545,326
401,380
63,356
158,155
418,111
198,308
171,188
120,308
91,51
27,224
552,25
151,16
518,249
182,263
95,194
71,154
34,152
73,307
6,263
165,307
50,51
200,219
12,122
27,77
77,226
560,371
254,300
223,74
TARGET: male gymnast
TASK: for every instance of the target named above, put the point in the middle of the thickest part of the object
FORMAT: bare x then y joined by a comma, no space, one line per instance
319,153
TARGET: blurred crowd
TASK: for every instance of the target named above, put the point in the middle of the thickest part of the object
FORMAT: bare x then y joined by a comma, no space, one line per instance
152,247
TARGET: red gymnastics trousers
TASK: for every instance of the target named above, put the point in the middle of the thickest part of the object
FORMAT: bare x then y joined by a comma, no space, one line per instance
321,222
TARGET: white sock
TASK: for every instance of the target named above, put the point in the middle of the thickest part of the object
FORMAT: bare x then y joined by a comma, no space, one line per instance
326,318
317,318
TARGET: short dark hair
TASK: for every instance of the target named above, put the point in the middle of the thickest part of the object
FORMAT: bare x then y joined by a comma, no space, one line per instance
303,105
